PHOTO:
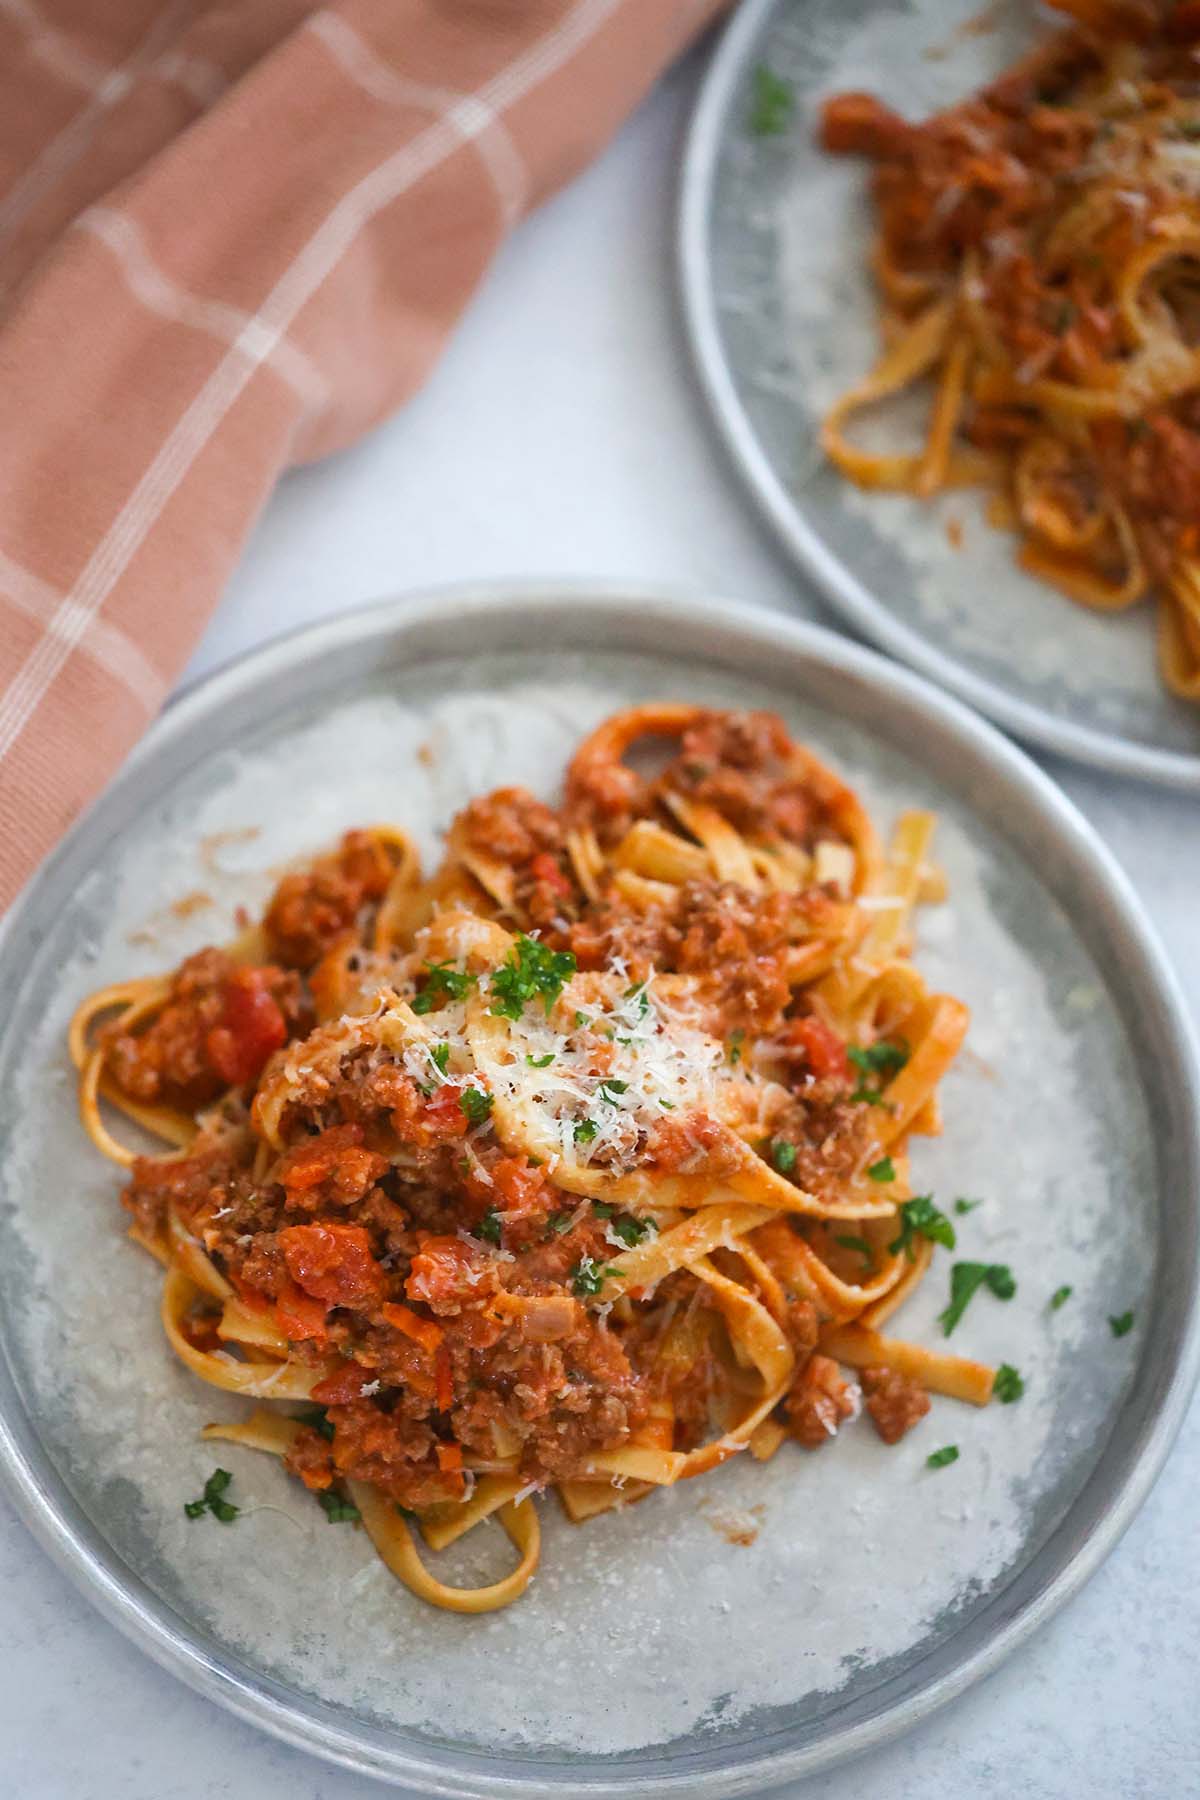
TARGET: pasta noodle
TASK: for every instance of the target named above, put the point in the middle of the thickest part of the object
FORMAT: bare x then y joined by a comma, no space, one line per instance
1038,259
582,1164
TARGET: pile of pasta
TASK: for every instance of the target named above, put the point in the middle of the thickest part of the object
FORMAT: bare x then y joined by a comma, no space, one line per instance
1038,262
616,1082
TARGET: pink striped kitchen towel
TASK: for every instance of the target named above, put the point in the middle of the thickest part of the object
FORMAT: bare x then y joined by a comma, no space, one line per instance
234,235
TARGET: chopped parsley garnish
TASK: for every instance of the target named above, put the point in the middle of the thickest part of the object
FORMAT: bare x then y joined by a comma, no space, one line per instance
1059,1297
962,1207
476,1104
540,1062
941,1459
319,1421
213,1499
920,1216
532,971
441,1056
587,1277
857,1243
488,1227
1008,1385
638,992
1121,1324
667,1105
633,1231
966,1279
783,1155
882,1058
736,1040
609,1090
603,1210
585,1131
581,1019
442,982
560,1222
883,1170
337,1510
771,111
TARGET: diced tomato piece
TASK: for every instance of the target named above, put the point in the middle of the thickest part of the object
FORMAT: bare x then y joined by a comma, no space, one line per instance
251,1028
299,1314
544,867
342,1386
443,1113
443,1273
824,1049
312,1162
332,1262
422,1331
449,1456
518,1184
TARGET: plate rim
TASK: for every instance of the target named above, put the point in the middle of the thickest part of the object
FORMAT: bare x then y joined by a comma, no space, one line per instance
849,597
608,614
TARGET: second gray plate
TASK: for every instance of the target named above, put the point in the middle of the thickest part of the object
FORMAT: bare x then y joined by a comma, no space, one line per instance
781,317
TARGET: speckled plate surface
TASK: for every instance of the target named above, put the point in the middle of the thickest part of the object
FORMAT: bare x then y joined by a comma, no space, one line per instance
652,1655
780,312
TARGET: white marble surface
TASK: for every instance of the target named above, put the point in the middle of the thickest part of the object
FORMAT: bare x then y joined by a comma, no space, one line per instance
561,435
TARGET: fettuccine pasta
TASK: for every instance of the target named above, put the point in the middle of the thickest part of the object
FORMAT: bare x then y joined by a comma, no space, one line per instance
1038,261
581,1165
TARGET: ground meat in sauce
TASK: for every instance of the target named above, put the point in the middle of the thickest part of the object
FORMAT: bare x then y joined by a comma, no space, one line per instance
736,942
357,1258
821,1400
438,1282
311,908
743,764
220,1023
894,1402
524,834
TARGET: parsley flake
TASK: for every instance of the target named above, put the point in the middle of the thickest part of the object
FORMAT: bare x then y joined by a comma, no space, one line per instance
962,1207
609,1090
883,1170
882,1058
532,971
441,1056
587,1277
585,1131
857,1243
1008,1384
488,1227
442,982
1121,1324
638,992
920,1216
966,1278
783,1155
633,1231
1059,1297
337,1511
213,1499
736,1040
941,1459
540,1062
476,1104
771,110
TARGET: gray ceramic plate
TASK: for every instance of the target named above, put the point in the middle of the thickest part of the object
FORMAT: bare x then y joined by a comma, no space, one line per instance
651,1655
781,318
